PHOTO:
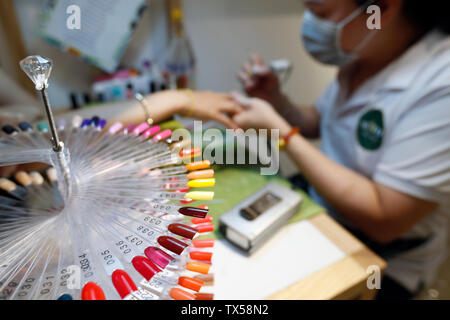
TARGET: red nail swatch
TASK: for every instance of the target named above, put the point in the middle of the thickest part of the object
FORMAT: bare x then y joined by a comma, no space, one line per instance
145,267
92,291
183,230
172,244
193,212
123,283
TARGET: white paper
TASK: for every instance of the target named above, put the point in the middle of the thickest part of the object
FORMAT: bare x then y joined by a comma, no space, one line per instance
295,252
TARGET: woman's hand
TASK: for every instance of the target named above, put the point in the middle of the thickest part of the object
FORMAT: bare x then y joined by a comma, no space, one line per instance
259,81
258,114
164,104
205,105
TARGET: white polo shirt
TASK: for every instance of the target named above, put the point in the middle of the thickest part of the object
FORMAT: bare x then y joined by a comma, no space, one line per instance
395,130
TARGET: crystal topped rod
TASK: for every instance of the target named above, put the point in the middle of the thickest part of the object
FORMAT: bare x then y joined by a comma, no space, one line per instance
57,145
38,69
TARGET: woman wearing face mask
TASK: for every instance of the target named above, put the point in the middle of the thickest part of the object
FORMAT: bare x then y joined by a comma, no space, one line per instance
384,166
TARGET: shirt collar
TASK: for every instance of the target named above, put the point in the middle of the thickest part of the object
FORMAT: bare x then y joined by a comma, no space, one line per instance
399,74
402,72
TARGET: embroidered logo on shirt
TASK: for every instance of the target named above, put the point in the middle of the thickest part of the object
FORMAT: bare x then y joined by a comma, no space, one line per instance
370,130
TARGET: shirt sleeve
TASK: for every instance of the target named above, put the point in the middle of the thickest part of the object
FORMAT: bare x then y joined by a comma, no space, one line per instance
416,159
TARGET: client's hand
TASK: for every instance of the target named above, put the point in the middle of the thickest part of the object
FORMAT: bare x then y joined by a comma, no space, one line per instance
258,114
197,104
206,105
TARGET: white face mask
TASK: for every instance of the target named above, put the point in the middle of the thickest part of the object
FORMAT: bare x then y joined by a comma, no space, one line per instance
322,38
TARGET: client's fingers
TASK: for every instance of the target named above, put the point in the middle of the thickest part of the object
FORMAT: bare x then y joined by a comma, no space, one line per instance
241,119
230,106
240,99
225,121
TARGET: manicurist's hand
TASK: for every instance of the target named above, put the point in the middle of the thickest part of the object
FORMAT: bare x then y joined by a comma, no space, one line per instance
259,114
259,81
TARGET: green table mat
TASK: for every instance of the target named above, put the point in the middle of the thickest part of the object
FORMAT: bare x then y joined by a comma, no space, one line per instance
234,184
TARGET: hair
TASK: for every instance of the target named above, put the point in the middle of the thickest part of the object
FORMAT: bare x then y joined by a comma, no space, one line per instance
426,15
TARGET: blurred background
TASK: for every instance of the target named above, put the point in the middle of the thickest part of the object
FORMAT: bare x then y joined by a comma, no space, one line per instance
222,35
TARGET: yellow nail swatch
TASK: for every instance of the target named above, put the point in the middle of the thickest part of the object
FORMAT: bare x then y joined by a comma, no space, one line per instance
200,195
202,183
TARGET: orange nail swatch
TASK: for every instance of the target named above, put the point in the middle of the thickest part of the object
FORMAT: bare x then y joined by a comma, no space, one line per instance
190,283
204,296
198,267
200,255
201,174
207,219
203,243
203,228
179,294
205,164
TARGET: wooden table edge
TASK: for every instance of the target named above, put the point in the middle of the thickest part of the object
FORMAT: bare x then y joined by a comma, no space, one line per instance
352,270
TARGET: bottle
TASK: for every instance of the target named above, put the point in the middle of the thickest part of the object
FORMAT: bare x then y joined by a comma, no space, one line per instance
130,91
180,60
156,81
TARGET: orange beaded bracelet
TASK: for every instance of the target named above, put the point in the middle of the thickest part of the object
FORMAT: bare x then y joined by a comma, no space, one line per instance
284,140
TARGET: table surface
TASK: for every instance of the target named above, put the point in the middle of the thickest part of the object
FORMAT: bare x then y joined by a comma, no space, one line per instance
345,279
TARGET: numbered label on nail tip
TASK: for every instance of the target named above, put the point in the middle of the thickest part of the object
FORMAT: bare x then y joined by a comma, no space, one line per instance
168,276
110,262
154,285
141,294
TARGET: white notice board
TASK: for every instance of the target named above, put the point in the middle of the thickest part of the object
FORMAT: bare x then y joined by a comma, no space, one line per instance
106,27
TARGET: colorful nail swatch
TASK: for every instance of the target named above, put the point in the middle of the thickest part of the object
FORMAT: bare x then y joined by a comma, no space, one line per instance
159,257
172,244
91,291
